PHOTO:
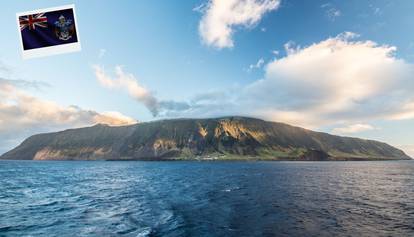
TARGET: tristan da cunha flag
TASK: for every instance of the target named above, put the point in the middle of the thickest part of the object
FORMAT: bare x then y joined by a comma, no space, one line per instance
48,27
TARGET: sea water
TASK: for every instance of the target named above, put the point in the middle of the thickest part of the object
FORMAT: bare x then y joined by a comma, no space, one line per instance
134,198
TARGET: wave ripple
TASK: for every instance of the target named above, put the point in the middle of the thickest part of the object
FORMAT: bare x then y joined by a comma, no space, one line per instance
206,198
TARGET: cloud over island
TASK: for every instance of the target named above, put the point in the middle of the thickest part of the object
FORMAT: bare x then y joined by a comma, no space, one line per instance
340,81
22,114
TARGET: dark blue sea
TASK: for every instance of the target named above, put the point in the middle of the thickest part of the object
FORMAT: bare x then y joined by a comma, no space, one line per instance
206,198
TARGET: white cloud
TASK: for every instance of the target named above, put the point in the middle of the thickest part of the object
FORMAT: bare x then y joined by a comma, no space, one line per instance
340,80
353,128
19,110
290,47
129,83
376,10
200,8
220,19
113,118
257,65
331,11
22,114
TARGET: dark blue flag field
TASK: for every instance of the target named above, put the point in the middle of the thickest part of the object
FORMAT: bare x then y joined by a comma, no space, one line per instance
41,29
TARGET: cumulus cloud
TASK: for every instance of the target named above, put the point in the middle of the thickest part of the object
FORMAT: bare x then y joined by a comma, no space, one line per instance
128,82
113,118
221,18
353,128
22,114
340,80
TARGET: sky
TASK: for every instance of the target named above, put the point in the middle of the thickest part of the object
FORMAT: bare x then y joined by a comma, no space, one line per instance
342,67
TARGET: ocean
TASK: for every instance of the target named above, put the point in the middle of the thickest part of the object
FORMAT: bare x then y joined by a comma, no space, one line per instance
178,198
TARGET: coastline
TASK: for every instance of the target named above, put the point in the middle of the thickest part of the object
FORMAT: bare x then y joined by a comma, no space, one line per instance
240,159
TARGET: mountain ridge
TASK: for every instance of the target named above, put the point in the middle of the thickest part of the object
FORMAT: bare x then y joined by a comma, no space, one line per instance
232,137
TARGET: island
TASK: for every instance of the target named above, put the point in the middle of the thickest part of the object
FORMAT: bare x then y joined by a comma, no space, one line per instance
226,138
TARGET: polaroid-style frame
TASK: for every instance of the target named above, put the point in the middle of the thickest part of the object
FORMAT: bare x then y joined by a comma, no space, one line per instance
53,48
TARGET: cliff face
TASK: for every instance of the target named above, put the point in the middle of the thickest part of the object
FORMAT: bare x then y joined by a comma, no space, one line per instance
222,138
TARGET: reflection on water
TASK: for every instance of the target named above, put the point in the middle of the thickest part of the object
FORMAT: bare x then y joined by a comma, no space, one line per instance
206,198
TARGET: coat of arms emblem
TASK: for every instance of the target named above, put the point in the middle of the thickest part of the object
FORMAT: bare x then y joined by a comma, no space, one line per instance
64,28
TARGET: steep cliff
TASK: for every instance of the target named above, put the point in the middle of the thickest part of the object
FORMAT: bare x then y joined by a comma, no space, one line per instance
219,138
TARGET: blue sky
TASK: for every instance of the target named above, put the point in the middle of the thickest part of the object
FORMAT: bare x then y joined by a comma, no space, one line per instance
161,46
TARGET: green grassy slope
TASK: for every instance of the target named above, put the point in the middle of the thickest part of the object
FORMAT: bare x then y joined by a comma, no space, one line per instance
220,138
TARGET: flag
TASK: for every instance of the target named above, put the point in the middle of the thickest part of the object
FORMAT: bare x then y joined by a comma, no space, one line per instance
48,28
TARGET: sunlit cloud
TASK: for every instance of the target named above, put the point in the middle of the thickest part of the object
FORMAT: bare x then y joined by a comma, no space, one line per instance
340,82
221,18
22,114
353,128
338,79
122,80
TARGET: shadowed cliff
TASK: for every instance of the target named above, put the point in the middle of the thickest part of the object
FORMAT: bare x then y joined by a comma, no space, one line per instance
220,138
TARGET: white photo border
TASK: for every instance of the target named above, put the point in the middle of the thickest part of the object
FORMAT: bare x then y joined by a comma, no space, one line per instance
49,50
